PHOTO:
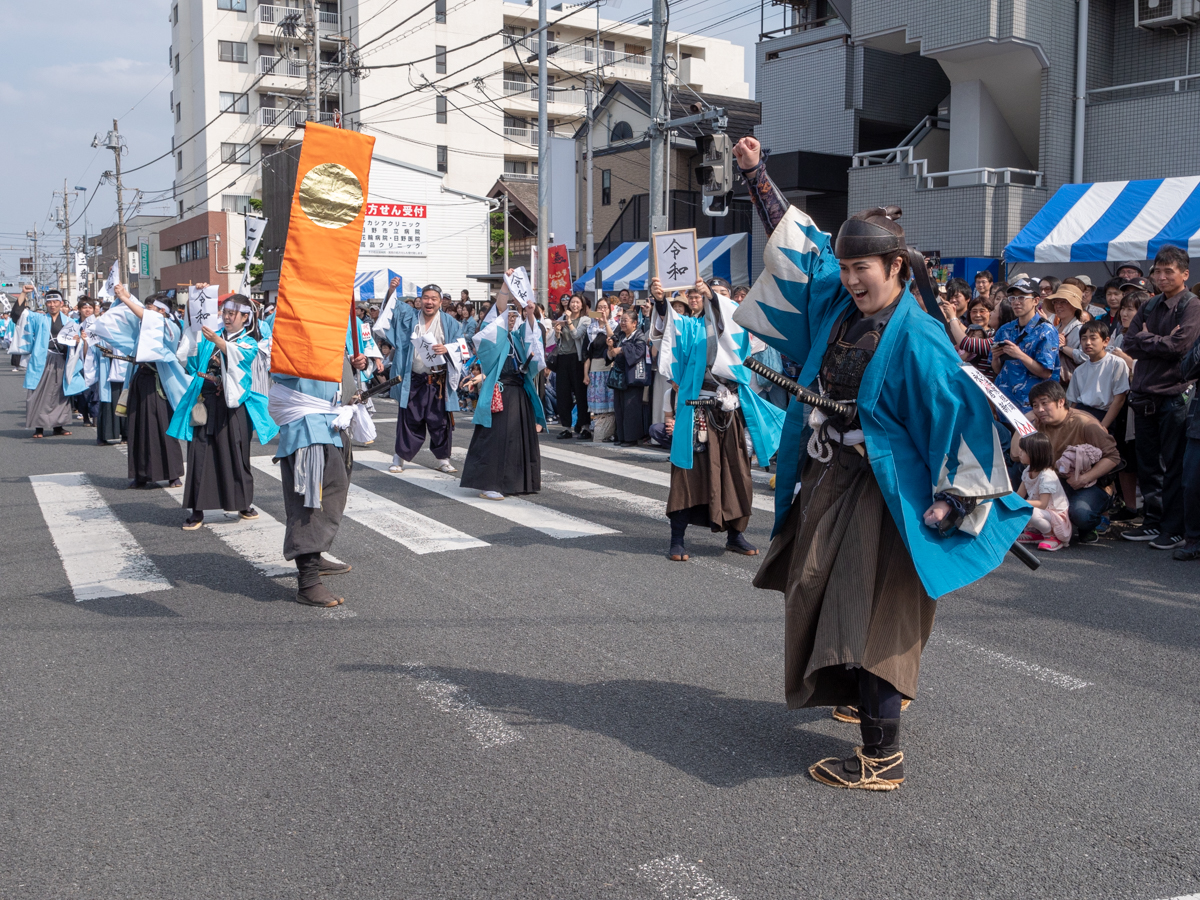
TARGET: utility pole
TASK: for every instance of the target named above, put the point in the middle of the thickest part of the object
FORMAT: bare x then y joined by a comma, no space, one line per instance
313,48
590,259
658,116
506,231
113,142
67,236
32,235
543,270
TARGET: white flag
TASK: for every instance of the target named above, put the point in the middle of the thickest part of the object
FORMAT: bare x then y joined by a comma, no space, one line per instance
254,232
108,291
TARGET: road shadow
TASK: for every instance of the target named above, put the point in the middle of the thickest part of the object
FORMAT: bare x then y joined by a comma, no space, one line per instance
130,606
724,741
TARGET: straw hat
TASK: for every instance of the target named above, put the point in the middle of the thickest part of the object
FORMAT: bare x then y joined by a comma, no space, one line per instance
1071,294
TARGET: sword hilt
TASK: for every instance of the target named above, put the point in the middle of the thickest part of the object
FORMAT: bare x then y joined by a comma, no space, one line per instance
804,395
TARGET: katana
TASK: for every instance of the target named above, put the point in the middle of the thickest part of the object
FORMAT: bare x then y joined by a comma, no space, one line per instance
364,396
804,395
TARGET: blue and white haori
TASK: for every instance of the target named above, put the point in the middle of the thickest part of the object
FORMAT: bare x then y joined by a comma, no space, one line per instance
35,340
237,386
151,339
494,345
683,358
398,324
927,427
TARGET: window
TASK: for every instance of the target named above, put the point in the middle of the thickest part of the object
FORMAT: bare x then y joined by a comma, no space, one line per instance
175,14
439,11
443,161
606,187
622,131
514,32
181,209
440,106
235,153
176,63
178,112
235,5
234,103
170,55
439,59
227,51
515,167
172,98
197,249
236,203
179,161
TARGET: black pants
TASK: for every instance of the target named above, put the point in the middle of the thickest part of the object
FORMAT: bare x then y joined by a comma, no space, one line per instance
1160,442
876,697
571,392
309,529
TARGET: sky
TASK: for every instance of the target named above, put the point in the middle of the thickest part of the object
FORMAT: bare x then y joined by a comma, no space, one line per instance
80,64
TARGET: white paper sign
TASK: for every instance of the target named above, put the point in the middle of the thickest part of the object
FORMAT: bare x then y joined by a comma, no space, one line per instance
676,261
106,291
81,274
393,229
1009,410
519,286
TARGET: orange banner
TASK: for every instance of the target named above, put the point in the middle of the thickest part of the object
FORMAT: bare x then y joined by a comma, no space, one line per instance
316,277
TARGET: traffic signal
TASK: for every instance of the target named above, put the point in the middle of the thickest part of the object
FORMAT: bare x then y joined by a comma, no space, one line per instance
715,173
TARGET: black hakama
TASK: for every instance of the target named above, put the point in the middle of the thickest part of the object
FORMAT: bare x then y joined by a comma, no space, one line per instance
218,459
153,456
46,406
506,457
110,426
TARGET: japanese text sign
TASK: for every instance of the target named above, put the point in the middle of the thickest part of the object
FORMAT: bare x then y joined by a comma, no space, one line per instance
676,261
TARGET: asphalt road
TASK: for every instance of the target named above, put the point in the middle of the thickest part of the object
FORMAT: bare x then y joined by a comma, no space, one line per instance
553,717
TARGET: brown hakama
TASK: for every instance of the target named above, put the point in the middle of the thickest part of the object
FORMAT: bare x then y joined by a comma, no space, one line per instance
718,487
852,596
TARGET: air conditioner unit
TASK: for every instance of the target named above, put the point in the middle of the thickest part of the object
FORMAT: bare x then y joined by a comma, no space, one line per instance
1165,13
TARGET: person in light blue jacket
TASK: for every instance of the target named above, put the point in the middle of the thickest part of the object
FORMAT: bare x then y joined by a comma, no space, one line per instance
882,510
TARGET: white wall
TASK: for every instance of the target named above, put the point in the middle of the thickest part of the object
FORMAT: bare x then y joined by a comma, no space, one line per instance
979,134
456,230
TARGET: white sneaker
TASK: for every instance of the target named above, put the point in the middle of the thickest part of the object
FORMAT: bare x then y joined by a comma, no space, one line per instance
492,495
444,466
397,465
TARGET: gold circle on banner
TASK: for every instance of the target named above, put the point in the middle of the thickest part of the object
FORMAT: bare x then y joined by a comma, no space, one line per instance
331,195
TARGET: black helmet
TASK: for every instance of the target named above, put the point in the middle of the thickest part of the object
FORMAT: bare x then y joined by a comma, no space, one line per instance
872,232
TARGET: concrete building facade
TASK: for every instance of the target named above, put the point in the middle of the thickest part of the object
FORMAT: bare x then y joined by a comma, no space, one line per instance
963,113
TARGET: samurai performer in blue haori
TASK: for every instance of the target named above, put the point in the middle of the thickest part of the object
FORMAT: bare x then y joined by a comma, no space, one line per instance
882,510
422,339
48,339
316,457
219,413
504,457
156,387
711,444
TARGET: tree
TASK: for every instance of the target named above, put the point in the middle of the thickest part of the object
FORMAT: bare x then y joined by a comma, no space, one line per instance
497,236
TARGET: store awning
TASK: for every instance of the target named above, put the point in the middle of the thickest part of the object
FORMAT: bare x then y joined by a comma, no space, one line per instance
373,286
627,267
1112,221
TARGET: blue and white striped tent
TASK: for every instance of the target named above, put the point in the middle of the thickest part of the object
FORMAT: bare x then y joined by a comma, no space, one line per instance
373,285
627,267
1112,221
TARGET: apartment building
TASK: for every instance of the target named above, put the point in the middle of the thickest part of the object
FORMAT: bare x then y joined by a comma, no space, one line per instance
962,112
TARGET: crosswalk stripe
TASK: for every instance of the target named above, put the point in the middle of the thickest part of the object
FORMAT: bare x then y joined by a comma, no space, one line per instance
625,470
589,490
99,555
258,541
759,476
405,526
548,521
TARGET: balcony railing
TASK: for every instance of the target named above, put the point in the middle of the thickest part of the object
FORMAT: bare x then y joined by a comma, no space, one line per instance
568,96
522,135
273,15
518,176
919,169
291,118
585,54
277,65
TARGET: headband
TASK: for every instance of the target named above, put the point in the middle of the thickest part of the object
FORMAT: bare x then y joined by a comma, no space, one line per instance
237,306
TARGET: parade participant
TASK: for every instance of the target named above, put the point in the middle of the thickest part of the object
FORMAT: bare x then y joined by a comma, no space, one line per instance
110,381
901,501
48,339
20,308
85,402
503,457
427,402
153,456
711,483
218,414
315,459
